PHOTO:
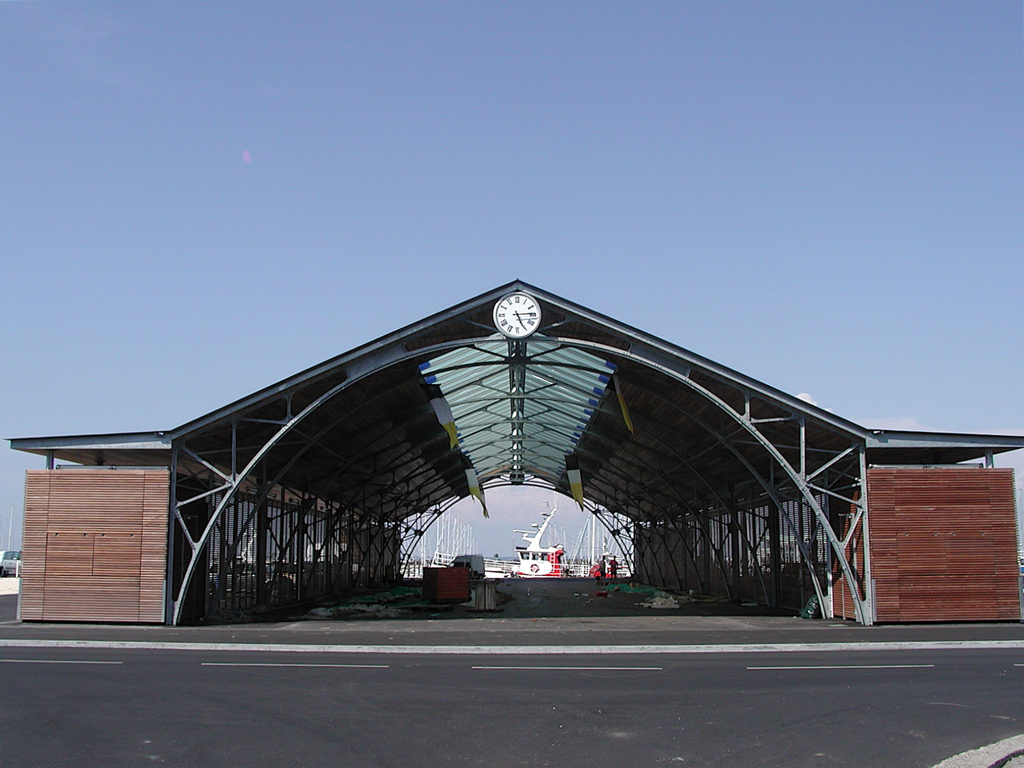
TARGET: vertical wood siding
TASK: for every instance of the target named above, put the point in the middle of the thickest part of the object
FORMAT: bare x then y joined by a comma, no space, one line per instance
943,544
95,545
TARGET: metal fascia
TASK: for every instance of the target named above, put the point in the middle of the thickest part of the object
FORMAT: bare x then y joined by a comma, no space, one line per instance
142,441
900,439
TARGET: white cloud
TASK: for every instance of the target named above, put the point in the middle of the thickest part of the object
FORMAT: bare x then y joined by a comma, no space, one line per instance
807,397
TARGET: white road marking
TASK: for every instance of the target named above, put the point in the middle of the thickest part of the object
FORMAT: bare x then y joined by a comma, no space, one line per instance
55,661
854,666
282,664
522,650
616,669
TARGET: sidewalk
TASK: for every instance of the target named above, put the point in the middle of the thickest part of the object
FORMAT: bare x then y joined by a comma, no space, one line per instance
1003,754
531,619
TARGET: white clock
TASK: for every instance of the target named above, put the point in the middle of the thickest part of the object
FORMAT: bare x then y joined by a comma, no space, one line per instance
517,315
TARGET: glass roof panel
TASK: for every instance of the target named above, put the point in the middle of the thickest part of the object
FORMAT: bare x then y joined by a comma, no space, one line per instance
519,406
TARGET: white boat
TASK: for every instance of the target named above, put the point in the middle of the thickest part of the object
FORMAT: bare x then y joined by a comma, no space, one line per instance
536,561
532,560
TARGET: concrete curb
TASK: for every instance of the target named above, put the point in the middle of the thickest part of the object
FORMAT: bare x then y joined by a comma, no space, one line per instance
509,650
993,756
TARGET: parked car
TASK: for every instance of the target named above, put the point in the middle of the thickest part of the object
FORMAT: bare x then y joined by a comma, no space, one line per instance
10,562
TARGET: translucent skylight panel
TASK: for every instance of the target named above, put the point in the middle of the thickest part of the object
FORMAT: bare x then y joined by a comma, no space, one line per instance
529,427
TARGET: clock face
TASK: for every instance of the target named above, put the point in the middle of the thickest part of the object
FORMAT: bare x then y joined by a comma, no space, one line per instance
517,315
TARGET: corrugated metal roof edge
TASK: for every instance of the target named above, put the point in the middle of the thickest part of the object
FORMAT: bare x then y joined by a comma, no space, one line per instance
322,369
692,358
43,444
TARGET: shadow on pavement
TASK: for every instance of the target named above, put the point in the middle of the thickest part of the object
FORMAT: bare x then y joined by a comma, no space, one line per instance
8,608
541,598
550,598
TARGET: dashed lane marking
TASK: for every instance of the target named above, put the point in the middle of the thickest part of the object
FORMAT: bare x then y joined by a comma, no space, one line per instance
282,664
576,668
55,661
852,666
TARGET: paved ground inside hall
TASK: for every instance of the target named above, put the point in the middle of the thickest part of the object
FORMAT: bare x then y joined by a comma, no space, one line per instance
567,598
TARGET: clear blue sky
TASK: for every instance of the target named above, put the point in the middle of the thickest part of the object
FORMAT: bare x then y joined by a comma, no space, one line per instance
199,199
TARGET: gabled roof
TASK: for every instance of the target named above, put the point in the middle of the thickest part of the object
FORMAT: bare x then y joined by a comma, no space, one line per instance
520,407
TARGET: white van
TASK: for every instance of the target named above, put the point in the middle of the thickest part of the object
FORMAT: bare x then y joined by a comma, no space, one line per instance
475,563
10,562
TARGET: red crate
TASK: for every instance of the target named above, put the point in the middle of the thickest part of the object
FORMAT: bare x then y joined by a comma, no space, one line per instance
446,585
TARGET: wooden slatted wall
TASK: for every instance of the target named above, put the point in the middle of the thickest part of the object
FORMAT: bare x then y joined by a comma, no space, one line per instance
943,544
95,545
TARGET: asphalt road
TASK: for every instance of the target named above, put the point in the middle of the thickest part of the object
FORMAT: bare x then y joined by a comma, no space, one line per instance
104,707
105,698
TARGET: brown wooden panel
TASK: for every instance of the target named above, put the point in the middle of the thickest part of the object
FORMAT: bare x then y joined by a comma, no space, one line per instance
95,545
76,599
943,544
69,553
117,554
33,545
153,553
